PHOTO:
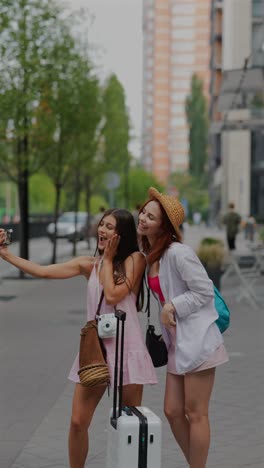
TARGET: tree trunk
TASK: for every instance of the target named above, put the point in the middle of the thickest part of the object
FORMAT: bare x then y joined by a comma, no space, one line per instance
126,184
23,207
56,215
87,188
22,150
77,192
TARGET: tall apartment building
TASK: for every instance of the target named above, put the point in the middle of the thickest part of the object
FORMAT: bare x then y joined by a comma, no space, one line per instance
176,45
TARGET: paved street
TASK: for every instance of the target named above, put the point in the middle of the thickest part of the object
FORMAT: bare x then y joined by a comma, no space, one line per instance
39,336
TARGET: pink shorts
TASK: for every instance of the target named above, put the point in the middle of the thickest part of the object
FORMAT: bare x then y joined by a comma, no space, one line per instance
219,356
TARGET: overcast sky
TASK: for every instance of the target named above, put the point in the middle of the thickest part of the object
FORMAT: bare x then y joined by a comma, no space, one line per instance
117,30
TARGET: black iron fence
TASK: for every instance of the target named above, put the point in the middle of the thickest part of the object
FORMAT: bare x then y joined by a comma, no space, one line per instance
36,229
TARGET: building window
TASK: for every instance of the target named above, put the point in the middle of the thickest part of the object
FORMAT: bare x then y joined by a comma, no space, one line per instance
162,79
161,166
161,105
178,73
177,108
182,21
148,123
183,46
183,33
148,75
148,50
177,121
149,99
184,8
161,29
162,41
185,59
179,158
149,62
178,97
149,13
180,84
181,146
161,92
161,66
257,9
257,44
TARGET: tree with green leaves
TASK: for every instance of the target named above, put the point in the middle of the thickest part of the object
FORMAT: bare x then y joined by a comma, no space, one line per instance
192,189
116,131
139,182
197,118
49,103
58,100
87,111
41,194
28,30
75,106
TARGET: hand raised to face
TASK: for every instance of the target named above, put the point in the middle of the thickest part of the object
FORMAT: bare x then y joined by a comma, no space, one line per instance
111,247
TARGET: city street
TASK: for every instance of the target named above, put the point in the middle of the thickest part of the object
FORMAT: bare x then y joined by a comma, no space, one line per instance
39,337
105,104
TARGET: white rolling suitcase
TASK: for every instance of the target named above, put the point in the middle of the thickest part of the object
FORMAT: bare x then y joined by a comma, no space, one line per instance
133,433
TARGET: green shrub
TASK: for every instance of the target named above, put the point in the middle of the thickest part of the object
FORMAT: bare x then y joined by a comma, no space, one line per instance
261,234
211,252
211,241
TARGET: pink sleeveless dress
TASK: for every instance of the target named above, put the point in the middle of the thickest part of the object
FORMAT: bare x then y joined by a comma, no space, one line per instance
138,367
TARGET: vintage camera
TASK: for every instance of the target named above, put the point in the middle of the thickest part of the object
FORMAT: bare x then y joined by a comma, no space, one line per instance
8,239
107,325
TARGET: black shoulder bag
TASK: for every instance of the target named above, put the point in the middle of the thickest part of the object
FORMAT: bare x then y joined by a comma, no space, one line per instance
155,344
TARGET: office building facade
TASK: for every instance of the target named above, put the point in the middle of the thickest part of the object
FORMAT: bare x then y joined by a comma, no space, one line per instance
236,135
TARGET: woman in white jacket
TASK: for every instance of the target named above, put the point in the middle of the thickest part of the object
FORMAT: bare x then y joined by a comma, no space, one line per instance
188,315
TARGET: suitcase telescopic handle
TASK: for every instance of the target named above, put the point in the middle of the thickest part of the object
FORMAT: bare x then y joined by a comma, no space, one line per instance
121,317
120,314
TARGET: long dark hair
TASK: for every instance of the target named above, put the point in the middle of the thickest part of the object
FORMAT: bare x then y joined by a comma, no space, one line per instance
128,244
167,235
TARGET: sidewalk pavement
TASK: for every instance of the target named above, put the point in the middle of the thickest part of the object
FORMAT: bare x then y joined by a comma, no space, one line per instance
236,412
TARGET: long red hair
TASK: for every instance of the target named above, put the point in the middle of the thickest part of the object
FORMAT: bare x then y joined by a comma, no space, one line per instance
168,235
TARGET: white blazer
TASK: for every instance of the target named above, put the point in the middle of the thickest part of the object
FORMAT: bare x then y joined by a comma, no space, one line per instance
184,282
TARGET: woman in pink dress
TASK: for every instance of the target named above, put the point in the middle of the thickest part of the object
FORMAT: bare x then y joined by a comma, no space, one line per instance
118,270
194,342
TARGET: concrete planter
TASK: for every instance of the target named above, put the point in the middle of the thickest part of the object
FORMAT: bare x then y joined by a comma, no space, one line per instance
215,273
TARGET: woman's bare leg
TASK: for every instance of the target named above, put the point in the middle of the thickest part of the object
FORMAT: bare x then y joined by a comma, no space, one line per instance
198,388
85,400
174,409
132,395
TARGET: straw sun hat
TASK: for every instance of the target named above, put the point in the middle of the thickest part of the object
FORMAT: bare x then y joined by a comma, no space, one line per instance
171,205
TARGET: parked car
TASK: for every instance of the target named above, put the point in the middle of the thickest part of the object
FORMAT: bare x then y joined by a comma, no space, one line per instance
66,226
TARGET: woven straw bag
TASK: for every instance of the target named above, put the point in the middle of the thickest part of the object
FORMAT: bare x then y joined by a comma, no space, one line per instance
93,368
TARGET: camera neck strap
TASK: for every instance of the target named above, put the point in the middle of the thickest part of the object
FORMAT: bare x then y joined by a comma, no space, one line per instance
99,304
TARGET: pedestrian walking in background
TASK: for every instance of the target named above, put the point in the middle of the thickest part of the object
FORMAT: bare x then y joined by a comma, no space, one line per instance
118,270
232,221
187,314
249,224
